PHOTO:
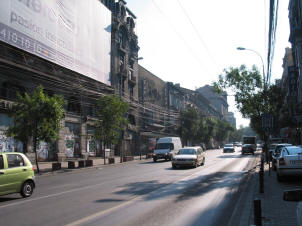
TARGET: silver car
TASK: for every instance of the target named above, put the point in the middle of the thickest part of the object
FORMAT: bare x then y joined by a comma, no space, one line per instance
275,154
228,148
289,162
189,156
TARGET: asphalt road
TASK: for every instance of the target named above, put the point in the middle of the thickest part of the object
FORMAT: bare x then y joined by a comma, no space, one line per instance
135,193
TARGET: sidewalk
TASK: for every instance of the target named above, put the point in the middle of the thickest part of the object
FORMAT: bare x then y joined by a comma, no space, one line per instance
274,210
46,167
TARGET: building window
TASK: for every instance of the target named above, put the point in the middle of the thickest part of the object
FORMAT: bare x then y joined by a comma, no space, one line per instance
131,63
121,38
122,60
10,90
131,119
131,92
73,105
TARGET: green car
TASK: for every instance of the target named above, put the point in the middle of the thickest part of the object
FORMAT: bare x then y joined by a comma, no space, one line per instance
16,174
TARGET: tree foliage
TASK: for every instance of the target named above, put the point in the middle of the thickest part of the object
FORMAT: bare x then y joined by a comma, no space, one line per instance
111,112
197,128
237,135
36,116
252,97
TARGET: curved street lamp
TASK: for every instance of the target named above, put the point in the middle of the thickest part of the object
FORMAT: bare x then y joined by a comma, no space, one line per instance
264,78
264,88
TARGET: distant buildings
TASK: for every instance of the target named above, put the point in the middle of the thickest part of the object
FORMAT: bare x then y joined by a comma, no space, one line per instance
232,119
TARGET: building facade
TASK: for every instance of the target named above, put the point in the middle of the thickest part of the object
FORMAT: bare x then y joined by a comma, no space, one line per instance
124,68
219,101
27,61
232,119
158,118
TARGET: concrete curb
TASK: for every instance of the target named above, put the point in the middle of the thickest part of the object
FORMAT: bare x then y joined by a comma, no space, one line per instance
48,171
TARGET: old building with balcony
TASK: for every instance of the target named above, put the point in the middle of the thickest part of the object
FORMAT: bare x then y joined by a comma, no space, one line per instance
124,67
156,117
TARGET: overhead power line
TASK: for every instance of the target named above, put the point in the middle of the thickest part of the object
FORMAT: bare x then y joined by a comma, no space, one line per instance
180,36
198,34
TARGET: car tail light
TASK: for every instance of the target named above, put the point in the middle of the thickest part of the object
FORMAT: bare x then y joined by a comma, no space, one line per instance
281,161
33,169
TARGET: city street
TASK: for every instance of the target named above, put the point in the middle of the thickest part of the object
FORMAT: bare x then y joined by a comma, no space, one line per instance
136,193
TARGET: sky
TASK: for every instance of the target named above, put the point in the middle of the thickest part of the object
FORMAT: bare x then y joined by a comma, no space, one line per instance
191,42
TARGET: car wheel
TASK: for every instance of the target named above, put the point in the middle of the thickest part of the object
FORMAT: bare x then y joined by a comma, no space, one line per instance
195,164
27,189
154,159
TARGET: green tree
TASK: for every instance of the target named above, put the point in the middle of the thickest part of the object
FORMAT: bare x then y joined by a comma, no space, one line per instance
36,116
223,131
252,96
189,124
111,111
210,129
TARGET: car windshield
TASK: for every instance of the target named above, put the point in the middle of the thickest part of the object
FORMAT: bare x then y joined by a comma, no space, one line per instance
163,146
187,152
228,145
294,151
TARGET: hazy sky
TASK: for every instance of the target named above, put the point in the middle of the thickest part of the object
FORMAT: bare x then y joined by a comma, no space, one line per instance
191,41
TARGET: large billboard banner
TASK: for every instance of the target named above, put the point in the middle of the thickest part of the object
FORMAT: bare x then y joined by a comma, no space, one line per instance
75,34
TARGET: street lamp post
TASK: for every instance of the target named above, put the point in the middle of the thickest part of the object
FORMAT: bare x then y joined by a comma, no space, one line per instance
264,88
263,73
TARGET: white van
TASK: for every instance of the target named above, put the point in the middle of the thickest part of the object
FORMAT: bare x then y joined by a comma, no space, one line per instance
166,148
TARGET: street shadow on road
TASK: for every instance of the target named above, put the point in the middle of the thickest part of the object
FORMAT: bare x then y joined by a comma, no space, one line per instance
183,189
140,188
152,162
109,200
7,199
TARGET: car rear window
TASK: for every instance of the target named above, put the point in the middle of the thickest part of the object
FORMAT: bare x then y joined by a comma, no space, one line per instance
187,152
294,151
1,162
14,160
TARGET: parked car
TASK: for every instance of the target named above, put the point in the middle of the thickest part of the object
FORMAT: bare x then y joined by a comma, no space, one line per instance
289,162
247,149
16,174
271,149
276,153
166,148
228,148
189,156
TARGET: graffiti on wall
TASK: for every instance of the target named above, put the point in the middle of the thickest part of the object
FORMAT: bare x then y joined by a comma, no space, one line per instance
70,143
43,151
9,144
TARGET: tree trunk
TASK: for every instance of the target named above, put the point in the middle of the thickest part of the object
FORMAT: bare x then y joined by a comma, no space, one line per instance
104,151
35,150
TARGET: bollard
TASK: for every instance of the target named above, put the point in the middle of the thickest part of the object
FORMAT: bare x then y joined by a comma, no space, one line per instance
261,181
257,212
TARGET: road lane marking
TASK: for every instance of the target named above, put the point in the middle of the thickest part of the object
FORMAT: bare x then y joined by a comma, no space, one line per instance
101,213
49,196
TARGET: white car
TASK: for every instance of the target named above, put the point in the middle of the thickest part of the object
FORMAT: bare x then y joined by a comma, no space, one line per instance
228,148
189,156
289,162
